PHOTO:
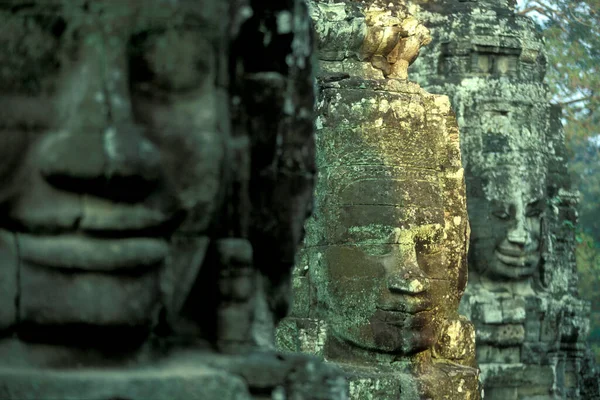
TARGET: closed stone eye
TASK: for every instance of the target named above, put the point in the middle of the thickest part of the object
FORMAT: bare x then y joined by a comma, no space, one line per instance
501,214
169,62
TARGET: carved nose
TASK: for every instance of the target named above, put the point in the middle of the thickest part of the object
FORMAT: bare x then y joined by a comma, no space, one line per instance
118,164
407,277
407,284
519,234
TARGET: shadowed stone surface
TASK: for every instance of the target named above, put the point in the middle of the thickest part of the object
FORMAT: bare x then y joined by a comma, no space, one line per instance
522,293
157,169
383,266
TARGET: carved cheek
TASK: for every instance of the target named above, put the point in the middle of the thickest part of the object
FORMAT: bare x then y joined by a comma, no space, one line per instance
187,121
534,224
353,275
193,164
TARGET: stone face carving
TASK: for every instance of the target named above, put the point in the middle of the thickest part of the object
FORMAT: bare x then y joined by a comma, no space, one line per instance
506,239
531,325
383,266
157,168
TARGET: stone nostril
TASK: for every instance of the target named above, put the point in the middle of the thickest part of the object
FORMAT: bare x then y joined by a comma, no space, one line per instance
519,234
121,165
69,154
130,155
407,283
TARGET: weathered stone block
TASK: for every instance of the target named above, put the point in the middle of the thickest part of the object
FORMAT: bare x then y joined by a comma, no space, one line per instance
513,150
518,376
503,355
533,329
489,312
501,335
537,352
286,336
301,335
494,393
301,300
456,341
513,310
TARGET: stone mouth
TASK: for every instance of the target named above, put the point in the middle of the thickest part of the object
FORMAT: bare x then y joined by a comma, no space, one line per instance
403,319
515,258
411,306
86,253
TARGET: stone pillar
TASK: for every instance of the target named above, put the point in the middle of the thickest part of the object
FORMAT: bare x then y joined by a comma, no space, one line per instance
157,167
383,266
522,293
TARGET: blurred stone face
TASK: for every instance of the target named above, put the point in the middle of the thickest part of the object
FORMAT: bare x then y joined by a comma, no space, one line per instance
506,224
114,137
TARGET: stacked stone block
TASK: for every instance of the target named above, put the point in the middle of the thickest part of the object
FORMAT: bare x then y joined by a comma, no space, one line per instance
522,294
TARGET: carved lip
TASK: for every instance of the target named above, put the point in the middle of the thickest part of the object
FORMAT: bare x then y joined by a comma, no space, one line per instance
514,258
78,252
402,318
511,252
122,217
412,305
100,217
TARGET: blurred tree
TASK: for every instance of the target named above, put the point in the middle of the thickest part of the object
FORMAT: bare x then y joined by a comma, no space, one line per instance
572,32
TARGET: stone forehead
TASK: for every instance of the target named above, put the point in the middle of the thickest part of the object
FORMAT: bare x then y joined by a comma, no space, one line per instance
527,163
508,179
137,14
497,3
520,171
21,4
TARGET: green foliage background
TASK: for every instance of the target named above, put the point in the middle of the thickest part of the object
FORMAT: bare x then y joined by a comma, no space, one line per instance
572,33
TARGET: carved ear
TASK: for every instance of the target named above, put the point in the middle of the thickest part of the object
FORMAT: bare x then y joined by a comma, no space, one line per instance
456,341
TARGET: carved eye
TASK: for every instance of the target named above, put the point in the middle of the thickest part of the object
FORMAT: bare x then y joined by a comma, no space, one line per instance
173,61
502,214
422,245
429,253
28,51
427,241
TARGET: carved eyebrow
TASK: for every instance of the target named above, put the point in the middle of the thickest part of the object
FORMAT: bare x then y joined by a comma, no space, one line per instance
46,8
497,204
162,24
186,16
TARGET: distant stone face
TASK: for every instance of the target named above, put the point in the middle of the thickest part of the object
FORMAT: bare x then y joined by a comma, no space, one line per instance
522,293
506,223
157,169
383,266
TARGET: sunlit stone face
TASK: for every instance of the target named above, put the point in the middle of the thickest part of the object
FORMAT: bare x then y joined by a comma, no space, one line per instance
113,140
384,279
506,224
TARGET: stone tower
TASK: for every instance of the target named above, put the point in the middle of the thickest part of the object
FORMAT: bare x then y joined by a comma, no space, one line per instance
383,266
522,293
